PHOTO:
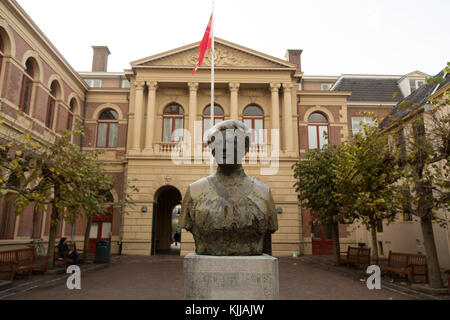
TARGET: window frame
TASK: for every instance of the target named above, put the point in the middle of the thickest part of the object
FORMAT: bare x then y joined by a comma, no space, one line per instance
40,219
329,86
252,128
27,82
70,115
206,116
364,119
2,53
108,126
173,118
8,210
51,105
317,125
91,83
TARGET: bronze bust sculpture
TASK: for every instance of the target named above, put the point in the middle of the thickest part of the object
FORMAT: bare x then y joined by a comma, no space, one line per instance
229,213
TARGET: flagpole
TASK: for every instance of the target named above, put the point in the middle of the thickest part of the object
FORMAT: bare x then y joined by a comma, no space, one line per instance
211,161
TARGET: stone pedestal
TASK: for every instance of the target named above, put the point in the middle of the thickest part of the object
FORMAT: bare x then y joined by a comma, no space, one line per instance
230,278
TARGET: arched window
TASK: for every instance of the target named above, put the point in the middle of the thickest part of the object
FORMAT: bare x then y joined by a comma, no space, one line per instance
173,118
51,105
27,86
2,53
317,130
254,119
8,216
107,129
72,108
218,117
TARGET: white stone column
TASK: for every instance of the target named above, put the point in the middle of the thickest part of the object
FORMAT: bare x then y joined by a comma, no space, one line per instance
274,88
138,113
150,126
234,94
193,88
275,114
288,129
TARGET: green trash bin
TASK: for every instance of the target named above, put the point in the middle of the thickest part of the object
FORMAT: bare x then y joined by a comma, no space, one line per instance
102,251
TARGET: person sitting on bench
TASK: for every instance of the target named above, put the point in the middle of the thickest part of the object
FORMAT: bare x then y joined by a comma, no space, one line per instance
71,254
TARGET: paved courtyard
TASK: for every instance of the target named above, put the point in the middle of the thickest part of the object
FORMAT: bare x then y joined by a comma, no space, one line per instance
161,277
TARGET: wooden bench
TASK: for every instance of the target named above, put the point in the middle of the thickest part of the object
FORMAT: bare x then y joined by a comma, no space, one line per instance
448,279
63,256
410,265
356,256
20,260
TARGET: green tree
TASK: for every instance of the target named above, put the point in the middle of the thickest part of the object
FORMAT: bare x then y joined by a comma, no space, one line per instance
427,172
366,177
317,190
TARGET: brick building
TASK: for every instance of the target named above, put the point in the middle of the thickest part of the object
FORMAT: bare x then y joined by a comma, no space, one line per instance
131,116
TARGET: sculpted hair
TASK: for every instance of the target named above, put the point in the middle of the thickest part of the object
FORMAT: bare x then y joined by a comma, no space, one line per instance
240,130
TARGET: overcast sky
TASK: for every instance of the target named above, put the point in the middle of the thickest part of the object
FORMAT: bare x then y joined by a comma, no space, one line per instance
346,36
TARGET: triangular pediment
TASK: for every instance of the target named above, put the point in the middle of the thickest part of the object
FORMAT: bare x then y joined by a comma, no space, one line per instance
226,55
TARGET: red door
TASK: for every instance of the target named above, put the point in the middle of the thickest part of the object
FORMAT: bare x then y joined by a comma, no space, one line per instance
322,240
101,229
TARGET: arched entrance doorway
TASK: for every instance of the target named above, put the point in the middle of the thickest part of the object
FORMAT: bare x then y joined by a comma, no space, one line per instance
167,198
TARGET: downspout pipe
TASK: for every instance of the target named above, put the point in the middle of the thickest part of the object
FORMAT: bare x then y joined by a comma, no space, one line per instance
302,230
122,211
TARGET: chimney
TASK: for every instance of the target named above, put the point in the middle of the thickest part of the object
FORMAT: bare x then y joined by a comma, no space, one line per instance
100,58
293,56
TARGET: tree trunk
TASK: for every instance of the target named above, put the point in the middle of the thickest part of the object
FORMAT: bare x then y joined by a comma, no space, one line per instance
86,237
425,206
52,235
336,243
373,231
434,272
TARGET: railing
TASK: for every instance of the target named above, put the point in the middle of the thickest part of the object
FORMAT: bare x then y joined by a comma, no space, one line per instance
201,148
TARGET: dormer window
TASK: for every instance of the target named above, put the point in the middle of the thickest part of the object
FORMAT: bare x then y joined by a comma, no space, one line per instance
415,84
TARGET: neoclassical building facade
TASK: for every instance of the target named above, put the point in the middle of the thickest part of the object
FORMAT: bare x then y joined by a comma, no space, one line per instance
149,121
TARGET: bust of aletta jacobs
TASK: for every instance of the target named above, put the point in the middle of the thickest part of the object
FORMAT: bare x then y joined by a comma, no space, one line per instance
229,213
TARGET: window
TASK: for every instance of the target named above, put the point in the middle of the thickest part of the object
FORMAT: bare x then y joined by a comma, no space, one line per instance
317,131
27,87
218,117
37,224
72,106
94,83
380,226
380,248
358,124
107,131
54,90
7,217
407,216
415,84
254,119
325,86
125,84
173,118
2,50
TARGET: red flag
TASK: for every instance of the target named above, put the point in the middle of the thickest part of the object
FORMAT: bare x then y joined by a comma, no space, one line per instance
204,45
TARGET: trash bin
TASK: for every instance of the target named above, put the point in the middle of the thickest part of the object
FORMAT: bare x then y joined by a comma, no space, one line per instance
102,251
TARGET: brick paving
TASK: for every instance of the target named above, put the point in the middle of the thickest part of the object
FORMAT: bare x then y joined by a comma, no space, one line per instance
161,278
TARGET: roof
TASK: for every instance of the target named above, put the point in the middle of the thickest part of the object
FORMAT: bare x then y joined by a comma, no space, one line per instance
370,89
415,100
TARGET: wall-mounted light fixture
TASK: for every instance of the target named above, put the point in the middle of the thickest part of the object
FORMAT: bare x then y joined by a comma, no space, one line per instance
144,209
279,210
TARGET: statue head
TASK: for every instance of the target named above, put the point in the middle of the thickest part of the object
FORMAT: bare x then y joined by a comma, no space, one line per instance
229,142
